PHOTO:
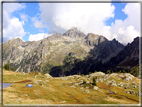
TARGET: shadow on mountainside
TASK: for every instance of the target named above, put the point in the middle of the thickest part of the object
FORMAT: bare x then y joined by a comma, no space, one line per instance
107,55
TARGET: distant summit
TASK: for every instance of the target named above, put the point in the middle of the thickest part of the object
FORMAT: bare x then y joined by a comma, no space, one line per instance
74,33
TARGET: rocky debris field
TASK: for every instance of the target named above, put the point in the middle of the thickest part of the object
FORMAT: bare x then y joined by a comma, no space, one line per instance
37,88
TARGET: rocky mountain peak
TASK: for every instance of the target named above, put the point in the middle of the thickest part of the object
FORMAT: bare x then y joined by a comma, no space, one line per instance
94,39
56,36
74,29
74,33
16,41
114,39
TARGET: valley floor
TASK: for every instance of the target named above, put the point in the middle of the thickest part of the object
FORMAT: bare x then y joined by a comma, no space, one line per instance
68,90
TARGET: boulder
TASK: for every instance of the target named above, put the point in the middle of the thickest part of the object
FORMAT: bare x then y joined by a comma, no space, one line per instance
87,76
88,82
127,92
70,77
107,76
128,79
96,74
113,74
121,75
129,75
87,91
76,84
77,76
95,88
87,87
121,84
73,86
113,84
100,80
64,78
48,75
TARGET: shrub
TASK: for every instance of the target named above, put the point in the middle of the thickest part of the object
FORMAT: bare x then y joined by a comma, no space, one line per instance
6,66
135,71
94,82
124,71
84,82
108,72
12,68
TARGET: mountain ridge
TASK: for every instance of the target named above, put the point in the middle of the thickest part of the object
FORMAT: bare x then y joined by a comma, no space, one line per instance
51,51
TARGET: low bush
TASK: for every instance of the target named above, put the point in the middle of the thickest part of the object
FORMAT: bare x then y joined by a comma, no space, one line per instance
94,82
6,66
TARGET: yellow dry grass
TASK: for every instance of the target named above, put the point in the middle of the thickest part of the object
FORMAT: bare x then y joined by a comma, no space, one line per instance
58,91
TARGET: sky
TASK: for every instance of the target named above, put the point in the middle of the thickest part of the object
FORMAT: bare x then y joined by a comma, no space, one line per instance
35,21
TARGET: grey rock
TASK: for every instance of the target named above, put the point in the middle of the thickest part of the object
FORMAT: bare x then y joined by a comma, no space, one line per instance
48,76
73,86
113,84
96,74
95,88
121,84
87,87
87,91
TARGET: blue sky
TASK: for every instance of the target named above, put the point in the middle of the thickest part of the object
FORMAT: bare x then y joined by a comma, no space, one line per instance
120,14
34,21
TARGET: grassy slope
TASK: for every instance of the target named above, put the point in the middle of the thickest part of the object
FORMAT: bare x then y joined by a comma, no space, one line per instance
58,91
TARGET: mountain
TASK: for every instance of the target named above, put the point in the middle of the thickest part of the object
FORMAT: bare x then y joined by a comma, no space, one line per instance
128,57
108,55
64,54
74,33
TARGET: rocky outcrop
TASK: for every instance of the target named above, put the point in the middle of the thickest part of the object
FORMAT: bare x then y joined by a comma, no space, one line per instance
94,40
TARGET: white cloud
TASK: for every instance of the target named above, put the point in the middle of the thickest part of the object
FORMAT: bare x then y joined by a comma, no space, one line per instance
38,23
88,17
91,17
24,17
128,29
39,36
11,7
12,27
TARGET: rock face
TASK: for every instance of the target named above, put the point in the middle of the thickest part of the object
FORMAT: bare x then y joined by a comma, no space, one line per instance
94,40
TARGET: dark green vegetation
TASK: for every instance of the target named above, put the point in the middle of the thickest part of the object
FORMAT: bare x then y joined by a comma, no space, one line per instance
6,66
12,68
108,72
135,71
94,82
